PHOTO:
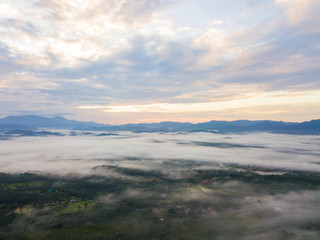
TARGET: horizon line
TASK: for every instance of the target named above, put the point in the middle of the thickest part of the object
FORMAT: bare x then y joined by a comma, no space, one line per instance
61,116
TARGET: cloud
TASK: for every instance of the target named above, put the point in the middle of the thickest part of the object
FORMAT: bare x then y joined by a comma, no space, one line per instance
268,99
73,32
153,53
79,154
288,209
299,11
124,13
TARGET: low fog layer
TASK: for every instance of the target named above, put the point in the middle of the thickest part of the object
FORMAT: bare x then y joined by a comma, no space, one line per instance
79,154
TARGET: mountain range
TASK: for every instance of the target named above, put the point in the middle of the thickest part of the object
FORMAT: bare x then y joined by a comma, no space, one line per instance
32,122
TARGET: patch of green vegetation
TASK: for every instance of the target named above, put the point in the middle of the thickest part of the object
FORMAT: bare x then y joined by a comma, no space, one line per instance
30,184
201,204
73,207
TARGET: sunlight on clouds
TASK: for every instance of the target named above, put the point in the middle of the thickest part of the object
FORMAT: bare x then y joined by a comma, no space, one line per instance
79,30
7,10
220,92
73,51
26,80
293,63
279,112
261,100
222,46
217,22
159,58
218,44
302,10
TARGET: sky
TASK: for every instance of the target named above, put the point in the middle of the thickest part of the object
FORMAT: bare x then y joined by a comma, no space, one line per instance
120,61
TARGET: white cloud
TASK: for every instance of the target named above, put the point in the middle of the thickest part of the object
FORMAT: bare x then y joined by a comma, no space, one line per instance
217,21
141,54
78,154
259,100
299,11
77,31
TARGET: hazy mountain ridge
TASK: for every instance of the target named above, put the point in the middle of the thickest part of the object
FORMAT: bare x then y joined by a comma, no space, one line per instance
32,122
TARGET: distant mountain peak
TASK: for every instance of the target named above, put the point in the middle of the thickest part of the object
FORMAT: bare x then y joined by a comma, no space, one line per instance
34,122
238,126
58,117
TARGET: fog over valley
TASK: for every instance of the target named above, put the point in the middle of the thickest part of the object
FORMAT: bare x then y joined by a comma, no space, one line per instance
79,154
160,185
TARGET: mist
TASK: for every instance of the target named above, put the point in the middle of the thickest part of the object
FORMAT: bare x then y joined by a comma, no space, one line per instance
174,185
79,154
